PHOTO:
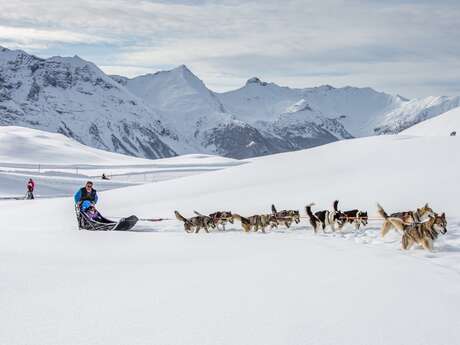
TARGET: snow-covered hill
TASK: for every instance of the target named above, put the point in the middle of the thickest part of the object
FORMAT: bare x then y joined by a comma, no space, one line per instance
27,145
161,286
442,125
173,112
59,164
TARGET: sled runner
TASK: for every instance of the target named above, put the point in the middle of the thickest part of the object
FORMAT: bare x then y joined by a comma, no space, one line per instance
104,224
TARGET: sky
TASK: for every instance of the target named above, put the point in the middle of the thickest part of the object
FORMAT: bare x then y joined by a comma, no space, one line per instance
406,47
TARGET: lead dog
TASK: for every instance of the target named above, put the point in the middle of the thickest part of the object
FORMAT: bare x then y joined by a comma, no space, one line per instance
422,233
219,218
407,217
355,217
321,219
195,224
286,216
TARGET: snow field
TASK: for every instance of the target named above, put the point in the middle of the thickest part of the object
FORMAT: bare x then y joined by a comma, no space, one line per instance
160,285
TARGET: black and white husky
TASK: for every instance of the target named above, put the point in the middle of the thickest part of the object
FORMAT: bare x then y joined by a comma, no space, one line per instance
355,217
322,219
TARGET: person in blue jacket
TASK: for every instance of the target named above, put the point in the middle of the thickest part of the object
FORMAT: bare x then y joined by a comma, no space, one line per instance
87,193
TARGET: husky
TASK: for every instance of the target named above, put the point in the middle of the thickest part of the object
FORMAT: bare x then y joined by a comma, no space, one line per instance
195,224
286,216
355,217
219,218
321,219
407,217
423,233
258,221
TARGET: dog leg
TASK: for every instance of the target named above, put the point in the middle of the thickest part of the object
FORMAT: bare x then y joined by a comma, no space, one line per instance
332,224
386,226
427,244
407,242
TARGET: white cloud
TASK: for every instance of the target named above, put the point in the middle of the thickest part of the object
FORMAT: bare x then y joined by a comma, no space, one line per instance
30,36
385,44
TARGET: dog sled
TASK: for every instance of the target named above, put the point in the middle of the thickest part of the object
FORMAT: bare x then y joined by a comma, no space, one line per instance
104,224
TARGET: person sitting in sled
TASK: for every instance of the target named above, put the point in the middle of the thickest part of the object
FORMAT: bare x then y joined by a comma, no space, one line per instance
88,208
30,189
87,193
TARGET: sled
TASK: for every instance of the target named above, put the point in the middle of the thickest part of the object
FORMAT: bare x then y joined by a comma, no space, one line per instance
104,224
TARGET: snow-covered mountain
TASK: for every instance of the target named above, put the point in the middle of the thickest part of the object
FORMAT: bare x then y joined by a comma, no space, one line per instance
74,97
173,112
198,116
348,111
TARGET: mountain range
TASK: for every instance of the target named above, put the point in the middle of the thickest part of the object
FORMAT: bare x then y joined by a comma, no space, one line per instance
173,112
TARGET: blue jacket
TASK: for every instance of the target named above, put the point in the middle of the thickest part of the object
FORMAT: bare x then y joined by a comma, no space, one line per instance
82,195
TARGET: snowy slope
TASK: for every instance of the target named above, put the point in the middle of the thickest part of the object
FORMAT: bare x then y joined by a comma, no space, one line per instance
27,145
59,165
162,286
442,125
74,97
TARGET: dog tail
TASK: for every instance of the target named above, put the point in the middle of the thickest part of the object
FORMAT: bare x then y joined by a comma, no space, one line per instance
199,214
336,205
381,211
180,217
273,209
308,210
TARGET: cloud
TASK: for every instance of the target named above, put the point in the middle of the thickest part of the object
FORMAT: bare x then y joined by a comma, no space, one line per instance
29,36
384,44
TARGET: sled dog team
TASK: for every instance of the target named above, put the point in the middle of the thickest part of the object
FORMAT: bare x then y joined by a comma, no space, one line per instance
421,226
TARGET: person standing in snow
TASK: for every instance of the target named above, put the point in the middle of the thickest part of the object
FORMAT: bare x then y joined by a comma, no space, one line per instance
87,193
30,189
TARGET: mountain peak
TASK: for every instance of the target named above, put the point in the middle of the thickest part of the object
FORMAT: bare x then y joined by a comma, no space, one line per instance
256,80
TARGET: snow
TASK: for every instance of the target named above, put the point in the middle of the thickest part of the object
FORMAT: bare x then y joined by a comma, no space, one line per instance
158,285
27,145
441,125
59,164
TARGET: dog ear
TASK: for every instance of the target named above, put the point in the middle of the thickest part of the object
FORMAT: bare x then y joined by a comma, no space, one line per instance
426,205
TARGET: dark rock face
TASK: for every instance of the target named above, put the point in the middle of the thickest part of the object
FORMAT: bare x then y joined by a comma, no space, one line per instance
243,142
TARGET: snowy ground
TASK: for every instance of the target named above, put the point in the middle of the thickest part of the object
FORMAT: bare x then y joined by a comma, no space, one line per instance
158,285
